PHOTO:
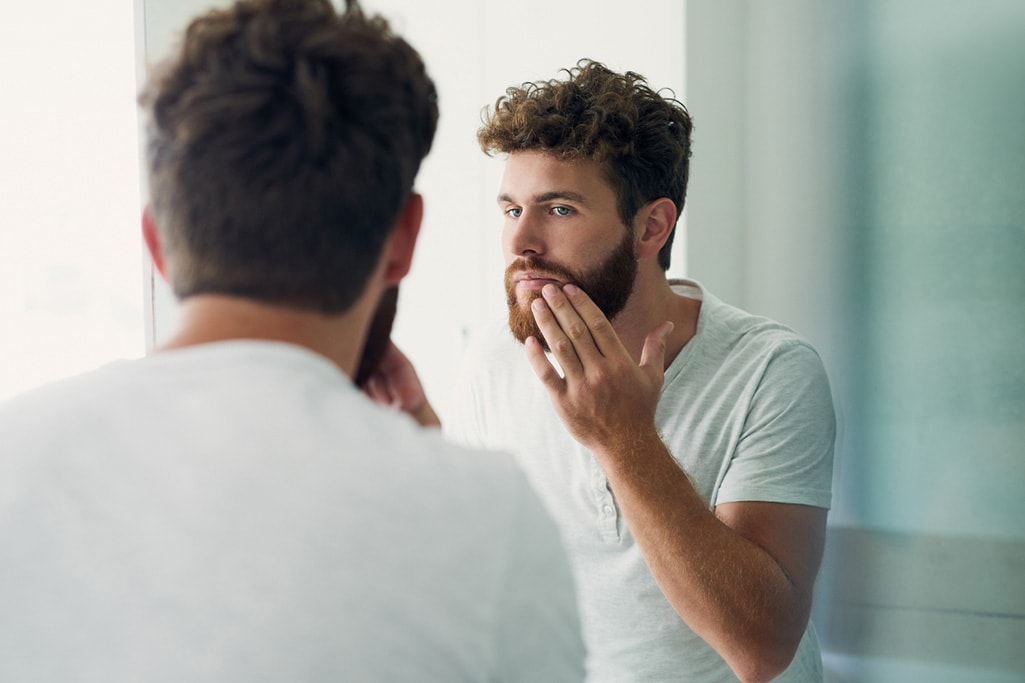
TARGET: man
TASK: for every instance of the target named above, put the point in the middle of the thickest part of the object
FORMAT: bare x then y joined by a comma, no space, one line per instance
233,508
684,446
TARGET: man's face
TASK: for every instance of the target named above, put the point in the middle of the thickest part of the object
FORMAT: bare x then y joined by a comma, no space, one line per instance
561,226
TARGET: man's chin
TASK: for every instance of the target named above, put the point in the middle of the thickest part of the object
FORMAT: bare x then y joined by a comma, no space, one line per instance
523,325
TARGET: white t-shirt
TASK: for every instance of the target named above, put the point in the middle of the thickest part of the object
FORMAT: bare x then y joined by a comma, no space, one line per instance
240,512
746,410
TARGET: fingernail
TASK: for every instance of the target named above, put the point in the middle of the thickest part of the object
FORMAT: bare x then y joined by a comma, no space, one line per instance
570,289
549,290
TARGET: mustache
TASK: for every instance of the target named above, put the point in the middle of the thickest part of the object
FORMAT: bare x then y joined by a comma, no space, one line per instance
540,266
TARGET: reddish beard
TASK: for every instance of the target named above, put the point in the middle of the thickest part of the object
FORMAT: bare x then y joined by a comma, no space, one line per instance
609,284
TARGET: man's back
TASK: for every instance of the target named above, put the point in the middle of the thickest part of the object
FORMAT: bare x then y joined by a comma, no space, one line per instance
238,511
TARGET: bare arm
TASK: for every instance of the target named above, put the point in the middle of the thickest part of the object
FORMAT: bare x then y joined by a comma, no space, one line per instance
740,576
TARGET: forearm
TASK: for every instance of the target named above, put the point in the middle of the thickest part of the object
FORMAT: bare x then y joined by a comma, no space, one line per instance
728,589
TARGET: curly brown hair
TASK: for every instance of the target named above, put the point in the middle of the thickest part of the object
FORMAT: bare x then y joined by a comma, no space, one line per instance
284,138
639,136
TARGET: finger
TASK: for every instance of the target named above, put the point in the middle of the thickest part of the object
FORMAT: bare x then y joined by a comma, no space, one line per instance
653,355
404,394
572,326
603,337
563,348
542,367
376,388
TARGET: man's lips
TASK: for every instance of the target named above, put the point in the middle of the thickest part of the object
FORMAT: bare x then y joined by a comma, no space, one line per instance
534,280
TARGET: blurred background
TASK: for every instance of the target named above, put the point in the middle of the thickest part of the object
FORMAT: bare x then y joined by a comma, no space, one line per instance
858,174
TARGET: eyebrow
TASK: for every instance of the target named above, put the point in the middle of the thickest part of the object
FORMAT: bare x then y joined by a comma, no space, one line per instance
550,196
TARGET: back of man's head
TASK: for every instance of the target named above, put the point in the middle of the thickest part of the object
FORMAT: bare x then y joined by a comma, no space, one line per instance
284,138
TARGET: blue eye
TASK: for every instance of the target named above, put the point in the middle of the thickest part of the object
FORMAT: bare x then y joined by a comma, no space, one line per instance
562,210
514,212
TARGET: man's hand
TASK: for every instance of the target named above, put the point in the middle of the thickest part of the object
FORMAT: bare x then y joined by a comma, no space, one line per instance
605,398
395,383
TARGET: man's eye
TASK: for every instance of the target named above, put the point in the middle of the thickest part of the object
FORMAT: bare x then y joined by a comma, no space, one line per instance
513,212
562,210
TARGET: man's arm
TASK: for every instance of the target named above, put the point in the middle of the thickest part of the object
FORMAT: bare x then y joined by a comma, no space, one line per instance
741,576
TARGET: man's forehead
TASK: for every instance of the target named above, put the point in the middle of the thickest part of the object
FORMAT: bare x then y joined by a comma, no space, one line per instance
541,177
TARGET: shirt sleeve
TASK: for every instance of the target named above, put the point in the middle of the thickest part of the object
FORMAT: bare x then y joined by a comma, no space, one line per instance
785,452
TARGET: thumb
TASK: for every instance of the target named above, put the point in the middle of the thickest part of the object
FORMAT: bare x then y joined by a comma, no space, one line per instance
653,355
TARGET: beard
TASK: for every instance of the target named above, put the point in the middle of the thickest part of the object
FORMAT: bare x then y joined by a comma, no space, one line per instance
609,284
378,335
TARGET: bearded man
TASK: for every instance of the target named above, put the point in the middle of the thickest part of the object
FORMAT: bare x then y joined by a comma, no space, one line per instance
683,446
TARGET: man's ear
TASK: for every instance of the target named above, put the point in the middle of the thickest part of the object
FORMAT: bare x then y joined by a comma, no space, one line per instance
152,238
656,219
398,250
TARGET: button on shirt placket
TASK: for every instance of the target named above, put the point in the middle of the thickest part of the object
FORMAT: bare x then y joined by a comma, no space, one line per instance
607,516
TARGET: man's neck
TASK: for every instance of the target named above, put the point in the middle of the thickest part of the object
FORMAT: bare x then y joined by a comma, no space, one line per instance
652,302
210,318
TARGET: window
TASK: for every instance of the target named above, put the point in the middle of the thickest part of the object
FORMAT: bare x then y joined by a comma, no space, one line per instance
71,275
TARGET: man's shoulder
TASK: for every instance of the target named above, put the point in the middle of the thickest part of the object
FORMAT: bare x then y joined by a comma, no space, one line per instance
735,328
448,460
89,388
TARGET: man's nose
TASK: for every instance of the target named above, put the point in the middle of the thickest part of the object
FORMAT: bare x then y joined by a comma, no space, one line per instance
525,235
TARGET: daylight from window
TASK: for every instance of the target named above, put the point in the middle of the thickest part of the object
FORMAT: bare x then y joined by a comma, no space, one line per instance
71,275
